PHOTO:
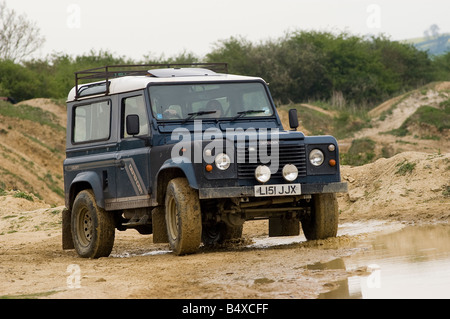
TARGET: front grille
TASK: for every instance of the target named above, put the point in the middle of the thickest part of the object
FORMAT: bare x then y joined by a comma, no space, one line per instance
288,154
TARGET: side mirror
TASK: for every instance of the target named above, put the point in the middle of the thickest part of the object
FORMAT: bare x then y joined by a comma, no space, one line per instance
132,124
293,119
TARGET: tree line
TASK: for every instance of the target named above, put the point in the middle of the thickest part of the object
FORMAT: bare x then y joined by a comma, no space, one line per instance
342,69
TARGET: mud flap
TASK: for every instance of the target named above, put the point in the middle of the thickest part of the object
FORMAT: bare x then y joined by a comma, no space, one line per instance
67,240
159,225
279,227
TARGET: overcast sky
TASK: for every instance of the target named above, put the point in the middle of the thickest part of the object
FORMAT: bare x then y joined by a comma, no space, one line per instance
135,28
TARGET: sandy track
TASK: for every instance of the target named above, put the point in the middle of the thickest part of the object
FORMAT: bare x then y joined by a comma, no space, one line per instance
32,263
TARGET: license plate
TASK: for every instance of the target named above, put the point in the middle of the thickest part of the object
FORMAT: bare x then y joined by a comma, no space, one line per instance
277,190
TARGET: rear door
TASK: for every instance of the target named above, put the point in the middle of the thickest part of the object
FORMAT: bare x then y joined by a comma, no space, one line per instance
92,147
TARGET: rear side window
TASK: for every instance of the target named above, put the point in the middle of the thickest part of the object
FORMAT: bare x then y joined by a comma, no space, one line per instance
92,122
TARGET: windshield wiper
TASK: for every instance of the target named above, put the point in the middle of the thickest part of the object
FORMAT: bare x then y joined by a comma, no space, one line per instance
242,113
195,114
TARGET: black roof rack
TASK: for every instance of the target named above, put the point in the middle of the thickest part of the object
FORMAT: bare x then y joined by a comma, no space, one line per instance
114,71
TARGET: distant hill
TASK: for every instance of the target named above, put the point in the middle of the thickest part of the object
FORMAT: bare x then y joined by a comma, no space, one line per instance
418,120
435,45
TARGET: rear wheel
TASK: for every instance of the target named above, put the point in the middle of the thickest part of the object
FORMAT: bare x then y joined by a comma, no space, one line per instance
183,217
324,218
93,229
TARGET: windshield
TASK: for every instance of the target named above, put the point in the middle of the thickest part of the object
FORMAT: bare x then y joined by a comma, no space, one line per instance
209,101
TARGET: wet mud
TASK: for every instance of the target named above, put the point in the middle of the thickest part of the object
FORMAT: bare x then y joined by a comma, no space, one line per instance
413,262
256,267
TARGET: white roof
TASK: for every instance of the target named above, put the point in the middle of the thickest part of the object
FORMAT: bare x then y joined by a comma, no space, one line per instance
134,83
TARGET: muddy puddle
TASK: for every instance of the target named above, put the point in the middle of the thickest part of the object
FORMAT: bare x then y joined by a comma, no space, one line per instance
262,242
413,262
389,260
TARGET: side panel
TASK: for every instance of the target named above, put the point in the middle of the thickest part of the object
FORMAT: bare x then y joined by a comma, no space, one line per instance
91,162
95,175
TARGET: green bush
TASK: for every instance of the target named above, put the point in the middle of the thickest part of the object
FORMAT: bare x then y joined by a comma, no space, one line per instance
300,66
312,65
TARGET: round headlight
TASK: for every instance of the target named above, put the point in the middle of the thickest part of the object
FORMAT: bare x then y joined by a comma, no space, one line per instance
316,157
290,172
262,174
222,161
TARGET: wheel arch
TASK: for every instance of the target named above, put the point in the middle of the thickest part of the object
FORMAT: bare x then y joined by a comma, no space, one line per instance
169,171
86,180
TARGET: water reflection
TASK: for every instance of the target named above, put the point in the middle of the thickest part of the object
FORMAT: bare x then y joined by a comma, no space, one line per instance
411,263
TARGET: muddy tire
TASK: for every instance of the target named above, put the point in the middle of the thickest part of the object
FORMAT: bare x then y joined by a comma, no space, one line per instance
324,218
219,233
93,229
183,217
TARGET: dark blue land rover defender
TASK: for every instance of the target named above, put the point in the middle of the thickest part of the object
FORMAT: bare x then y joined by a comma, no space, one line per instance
188,153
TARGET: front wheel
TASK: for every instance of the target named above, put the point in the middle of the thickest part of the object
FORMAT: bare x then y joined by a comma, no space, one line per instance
324,218
93,229
183,217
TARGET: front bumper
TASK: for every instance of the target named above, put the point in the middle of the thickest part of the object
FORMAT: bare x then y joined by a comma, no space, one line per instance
249,191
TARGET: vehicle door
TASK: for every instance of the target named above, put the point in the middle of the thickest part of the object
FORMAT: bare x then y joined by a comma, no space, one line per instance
132,160
92,145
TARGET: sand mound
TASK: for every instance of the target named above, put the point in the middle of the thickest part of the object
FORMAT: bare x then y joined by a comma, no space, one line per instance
410,186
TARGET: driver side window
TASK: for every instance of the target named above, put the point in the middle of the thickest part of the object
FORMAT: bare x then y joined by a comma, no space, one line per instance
134,105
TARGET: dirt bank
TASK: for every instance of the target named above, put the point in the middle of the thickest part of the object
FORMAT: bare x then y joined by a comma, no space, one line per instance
412,187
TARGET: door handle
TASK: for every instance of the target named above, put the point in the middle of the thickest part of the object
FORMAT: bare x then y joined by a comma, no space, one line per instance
120,164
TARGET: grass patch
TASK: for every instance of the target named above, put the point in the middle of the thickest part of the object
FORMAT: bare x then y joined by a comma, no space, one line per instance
404,142
405,168
440,118
31,296
52,184
23,195
50,148
34,114
362,151
9,216
446,191
341,126
19,182
314,121
400,132
55,212
437,117
347,123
